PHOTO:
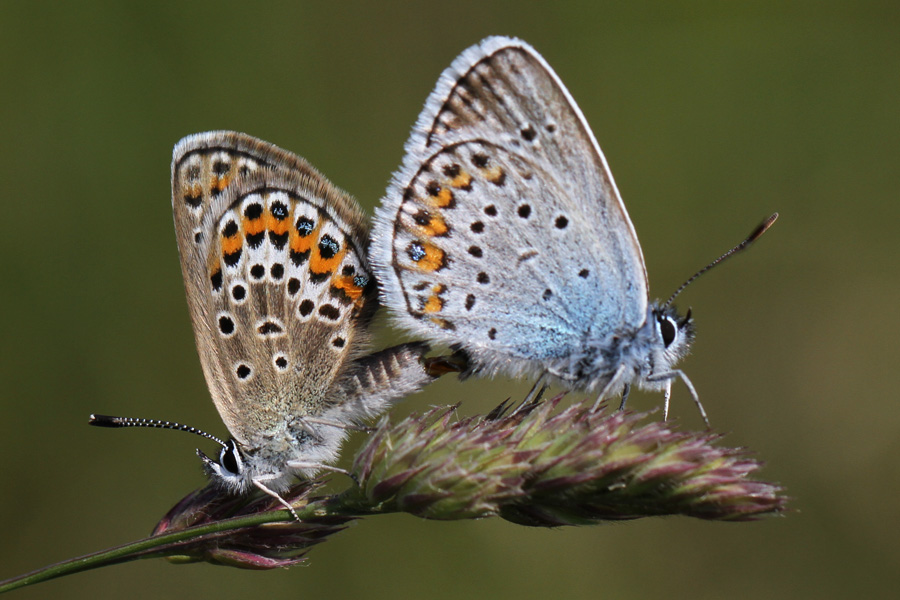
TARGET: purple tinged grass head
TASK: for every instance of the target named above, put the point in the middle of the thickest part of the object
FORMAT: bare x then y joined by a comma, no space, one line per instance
537,466
264,545
573,467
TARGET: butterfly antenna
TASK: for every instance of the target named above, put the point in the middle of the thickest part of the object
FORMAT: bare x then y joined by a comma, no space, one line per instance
763,227
107,421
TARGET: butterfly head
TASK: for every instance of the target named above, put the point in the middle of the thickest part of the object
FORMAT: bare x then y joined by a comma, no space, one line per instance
238,470
671,336
230,472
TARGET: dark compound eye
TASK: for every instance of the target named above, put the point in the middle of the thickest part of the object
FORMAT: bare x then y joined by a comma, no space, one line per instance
668,330
229,460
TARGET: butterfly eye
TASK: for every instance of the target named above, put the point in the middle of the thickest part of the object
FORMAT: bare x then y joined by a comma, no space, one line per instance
668,330
230,459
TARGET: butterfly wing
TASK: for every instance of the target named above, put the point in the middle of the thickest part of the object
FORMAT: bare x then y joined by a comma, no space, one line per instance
503,232
273,258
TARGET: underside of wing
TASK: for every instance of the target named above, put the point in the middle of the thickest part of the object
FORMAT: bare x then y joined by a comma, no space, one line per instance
273,258
504,231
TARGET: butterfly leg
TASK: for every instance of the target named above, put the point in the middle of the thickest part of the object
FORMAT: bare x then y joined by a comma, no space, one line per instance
625,392
259,483
314,466
678,373
667,395
307,424
299,464
613,382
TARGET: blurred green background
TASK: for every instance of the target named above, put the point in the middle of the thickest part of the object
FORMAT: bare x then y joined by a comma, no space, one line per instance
712,115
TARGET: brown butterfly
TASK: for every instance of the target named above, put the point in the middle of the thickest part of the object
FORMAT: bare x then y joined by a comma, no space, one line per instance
280,295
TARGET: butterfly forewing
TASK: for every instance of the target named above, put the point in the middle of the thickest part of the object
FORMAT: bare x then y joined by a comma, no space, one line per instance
454,275
273,262
504,228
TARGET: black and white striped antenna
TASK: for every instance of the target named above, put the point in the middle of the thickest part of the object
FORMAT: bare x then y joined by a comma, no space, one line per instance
118,422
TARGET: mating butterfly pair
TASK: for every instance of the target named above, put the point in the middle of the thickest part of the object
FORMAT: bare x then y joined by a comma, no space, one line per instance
502,234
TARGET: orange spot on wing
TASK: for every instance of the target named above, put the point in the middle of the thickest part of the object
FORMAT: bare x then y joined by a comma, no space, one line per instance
463,180
434,303
232,244
494,174
220,183
302,243
435,226
320,266
214,265
345,283
433,259
443,199
275,226
253,226
442,323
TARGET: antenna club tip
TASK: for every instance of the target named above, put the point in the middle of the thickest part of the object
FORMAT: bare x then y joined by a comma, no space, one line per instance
103,421
763,227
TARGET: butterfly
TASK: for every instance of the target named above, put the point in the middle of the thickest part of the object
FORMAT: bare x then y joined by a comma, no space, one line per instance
503,234
280,296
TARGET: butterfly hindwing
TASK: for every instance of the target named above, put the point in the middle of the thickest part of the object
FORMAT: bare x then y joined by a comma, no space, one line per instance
278,287
503,231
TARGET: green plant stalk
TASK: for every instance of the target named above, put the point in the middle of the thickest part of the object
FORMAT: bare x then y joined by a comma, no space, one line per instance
166,545
146,548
